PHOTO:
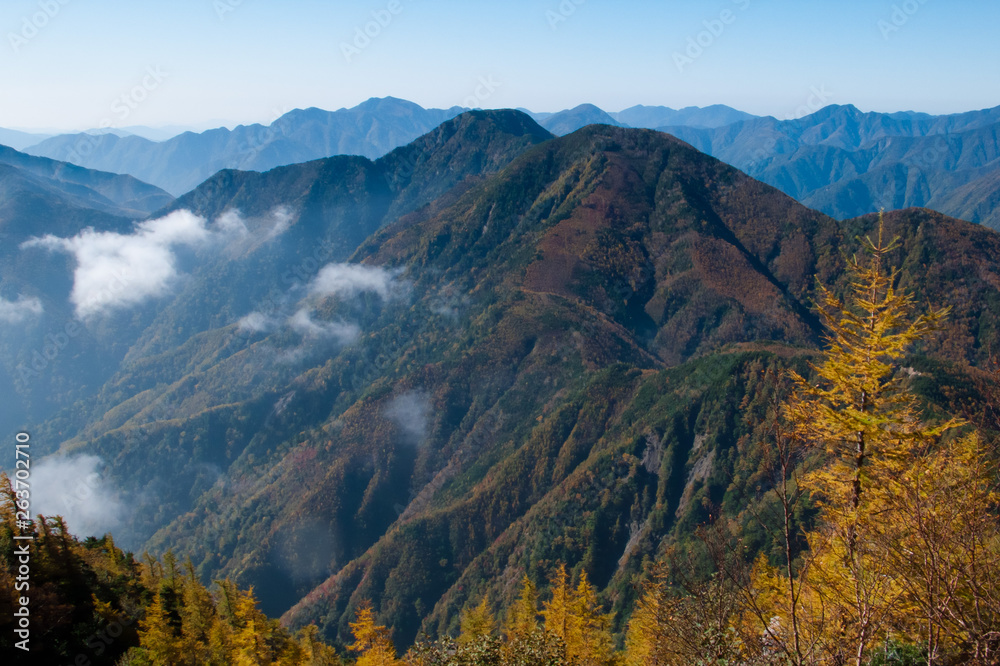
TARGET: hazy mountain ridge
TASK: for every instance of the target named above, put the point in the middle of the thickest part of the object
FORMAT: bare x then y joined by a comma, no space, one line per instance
847,163
651,117
20,140
570,120
371,129
838,159
108,192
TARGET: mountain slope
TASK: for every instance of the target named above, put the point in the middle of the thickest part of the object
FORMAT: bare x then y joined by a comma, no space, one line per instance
108,192
45,357
527,283
291,221
561,490
977,200
544,362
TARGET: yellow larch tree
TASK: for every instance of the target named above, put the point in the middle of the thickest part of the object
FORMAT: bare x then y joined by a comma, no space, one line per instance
371,641
252,632
314,651
156,634
197,617
946,553
522,619
574,616
860,414
477,623
557,610
592,642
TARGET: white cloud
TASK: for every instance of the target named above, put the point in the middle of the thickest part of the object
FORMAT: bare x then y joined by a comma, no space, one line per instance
75,488
121,270
351,279
14,312
282,222
231,223
332,279
257,322
410,411
342,332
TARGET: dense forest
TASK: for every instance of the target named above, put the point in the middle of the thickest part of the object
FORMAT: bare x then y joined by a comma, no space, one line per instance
873,537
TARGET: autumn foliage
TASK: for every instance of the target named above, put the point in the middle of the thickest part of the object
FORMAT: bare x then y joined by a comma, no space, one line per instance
879,516
901,560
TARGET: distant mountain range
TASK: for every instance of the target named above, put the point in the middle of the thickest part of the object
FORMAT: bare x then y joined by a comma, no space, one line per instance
414,379
838,160
20,140
371,129
179,164
845,162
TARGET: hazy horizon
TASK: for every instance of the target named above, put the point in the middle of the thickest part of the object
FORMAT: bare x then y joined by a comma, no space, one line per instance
230,123
73,66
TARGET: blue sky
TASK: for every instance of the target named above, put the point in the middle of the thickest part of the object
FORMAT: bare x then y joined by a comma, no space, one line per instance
74,64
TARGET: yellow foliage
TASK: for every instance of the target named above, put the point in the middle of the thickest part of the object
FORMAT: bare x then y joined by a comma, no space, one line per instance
371,641
575,617
556,610
157,636
522,619
861,412
476,623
